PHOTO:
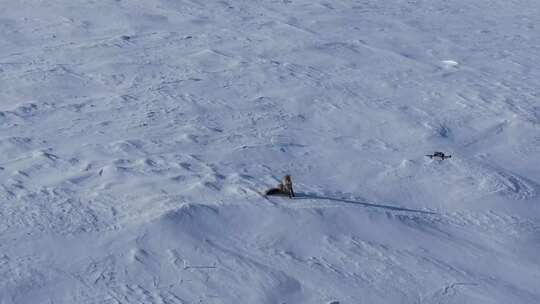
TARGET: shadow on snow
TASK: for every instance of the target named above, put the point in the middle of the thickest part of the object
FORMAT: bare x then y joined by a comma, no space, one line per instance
364,204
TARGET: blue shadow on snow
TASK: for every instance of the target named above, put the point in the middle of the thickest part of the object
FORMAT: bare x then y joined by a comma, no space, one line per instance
364,204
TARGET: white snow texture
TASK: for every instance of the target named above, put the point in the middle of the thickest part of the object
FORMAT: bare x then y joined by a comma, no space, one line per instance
136,137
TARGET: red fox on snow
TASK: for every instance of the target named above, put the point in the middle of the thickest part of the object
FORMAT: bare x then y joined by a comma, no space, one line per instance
283,188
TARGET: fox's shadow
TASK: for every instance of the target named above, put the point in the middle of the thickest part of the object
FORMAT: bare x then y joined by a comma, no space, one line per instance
364,204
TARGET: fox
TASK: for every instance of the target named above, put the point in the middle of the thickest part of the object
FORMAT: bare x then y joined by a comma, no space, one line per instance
286,183
283,188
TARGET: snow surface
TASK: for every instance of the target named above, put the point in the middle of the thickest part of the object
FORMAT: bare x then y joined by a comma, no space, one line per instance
136,136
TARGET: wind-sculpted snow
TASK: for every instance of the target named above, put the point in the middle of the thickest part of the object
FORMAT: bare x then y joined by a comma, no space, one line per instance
136,138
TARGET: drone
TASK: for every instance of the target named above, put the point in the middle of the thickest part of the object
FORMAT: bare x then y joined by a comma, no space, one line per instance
439,155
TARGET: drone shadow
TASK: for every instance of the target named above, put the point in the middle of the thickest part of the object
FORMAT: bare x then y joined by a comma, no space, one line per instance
364,204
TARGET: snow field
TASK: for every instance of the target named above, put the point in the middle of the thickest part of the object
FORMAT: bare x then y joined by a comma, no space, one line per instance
136,136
